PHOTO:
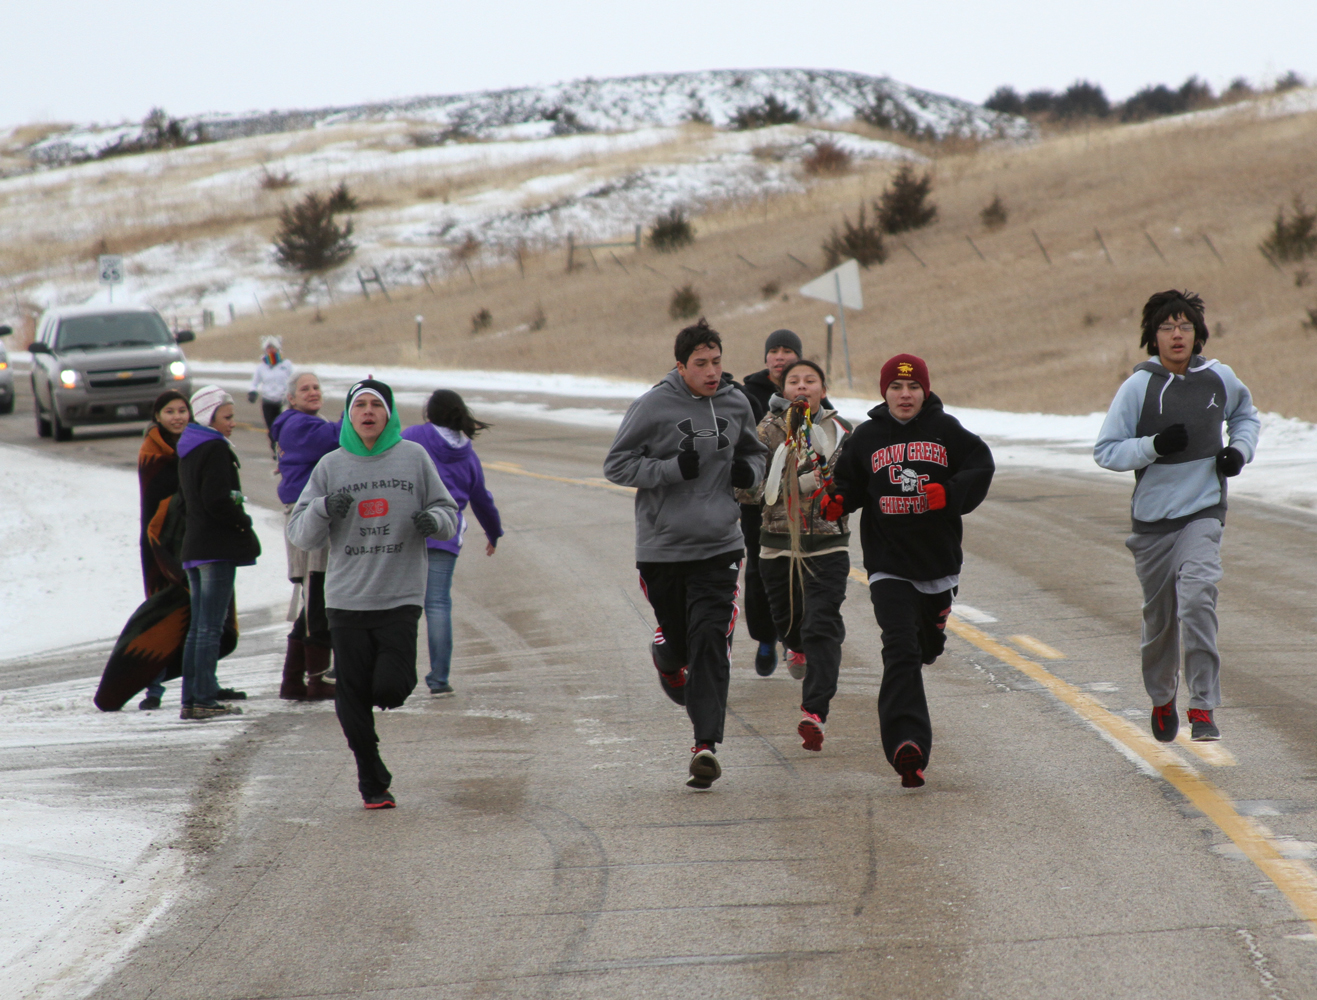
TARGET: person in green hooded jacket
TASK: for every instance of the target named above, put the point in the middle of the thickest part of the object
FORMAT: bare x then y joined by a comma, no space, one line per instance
374,500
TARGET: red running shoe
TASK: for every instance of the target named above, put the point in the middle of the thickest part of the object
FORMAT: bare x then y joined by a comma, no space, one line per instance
384,800
671,680
796,665
1165,722
810,730
907,760
1203,728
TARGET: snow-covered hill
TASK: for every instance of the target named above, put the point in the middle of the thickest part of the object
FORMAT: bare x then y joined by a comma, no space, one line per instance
619,104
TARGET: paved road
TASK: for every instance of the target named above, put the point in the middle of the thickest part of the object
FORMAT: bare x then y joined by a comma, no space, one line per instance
545,845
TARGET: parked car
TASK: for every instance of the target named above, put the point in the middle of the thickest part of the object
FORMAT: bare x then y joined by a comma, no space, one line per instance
103,365
6,374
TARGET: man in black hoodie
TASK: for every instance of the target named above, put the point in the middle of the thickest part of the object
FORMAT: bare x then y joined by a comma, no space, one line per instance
782,348
915,471
684,445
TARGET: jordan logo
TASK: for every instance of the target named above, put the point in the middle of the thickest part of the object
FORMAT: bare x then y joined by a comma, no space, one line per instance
1212,403
689,434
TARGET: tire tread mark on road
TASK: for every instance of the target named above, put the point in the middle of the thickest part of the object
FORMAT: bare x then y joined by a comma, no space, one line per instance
763,739
871,877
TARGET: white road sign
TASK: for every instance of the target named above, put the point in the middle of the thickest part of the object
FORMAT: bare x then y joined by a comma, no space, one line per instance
841,286
111,268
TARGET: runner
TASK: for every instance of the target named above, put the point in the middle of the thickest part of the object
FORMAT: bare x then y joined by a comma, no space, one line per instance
1165,426
446,436
684,445
780,349
805,558
374,500
270,382
302,438
915,470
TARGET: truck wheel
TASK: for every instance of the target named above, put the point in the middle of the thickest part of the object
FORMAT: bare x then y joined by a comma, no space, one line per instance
59,430
7,406
43,425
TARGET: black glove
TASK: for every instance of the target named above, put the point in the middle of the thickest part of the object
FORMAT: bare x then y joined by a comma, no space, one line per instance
1229,461
1171,441
689,464
338,504
743,477
251,397
425,522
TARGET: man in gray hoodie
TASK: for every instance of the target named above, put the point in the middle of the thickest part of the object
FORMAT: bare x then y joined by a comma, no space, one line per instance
374,500
684,445
1165,424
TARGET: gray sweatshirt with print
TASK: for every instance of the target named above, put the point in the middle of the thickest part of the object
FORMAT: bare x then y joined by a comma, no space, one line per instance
676,519
377,558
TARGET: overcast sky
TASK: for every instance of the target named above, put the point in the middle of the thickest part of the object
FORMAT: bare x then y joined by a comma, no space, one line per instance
77,60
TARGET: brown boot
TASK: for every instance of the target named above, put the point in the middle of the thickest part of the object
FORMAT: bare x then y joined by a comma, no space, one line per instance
317,663
293,685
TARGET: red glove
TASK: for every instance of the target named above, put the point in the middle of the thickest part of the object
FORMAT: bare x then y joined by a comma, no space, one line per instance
937,496
831,507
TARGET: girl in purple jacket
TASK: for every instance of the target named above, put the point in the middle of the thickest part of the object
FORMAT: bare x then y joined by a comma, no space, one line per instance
447,435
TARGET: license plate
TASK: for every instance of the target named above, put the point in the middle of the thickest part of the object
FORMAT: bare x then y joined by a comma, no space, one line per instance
126,411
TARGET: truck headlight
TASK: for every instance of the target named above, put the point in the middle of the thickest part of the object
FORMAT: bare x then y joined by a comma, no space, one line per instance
69,379
178,369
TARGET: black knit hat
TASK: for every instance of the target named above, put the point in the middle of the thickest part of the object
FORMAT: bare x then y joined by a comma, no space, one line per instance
371,385
784,338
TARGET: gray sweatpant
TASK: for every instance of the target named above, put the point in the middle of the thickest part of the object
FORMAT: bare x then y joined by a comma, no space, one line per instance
1179,572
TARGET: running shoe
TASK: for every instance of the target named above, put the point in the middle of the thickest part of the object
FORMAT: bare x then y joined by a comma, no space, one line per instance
907,760
1202,727
148,703
704,768
228,694
200,713
766,659
1165,722
810,730
384,800
442,691
796,665
673,682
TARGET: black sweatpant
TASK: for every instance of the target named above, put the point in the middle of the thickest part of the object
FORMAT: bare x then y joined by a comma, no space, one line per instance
758,614
375,656
811,623
312,623
913,627
695,604
269,411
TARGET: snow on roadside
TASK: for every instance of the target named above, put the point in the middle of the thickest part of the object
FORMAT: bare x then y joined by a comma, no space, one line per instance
1284,471
70,569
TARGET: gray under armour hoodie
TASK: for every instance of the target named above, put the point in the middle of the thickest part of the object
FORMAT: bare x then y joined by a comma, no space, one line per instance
678,520
1172,490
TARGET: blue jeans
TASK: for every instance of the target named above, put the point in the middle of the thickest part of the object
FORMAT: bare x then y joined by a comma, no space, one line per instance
439,616
212,590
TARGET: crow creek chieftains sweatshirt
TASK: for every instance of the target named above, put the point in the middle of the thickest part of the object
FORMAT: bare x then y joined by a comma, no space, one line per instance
679,520
1172,490
377,558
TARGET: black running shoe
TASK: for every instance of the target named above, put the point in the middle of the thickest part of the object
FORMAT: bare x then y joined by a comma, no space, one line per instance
384,800
1165,722
1203,729
672,681
766,659
200,713
704,769
442,691
148,703
228,694
908,761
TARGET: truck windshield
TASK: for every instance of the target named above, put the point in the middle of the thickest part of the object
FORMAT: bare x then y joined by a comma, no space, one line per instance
139,329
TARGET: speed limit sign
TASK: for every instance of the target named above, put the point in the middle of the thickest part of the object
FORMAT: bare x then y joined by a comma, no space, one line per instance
111,268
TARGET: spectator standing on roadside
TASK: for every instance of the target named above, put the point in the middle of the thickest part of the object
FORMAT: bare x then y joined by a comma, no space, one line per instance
373,500
270,382
446,436
217,539
302,438
1165,425
685,445
915,470
781,348
805,559
157,481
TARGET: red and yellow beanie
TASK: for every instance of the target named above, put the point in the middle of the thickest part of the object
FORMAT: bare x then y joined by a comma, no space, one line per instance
904,366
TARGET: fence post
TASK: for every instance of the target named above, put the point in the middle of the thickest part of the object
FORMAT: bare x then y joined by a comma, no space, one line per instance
1155,247
1103,244
363,285
976,248
639,227
1041,247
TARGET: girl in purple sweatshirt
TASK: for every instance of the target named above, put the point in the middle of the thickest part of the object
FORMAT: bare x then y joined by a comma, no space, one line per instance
447,435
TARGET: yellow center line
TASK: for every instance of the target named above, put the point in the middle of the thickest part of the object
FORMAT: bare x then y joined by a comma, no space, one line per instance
1036,646
512,469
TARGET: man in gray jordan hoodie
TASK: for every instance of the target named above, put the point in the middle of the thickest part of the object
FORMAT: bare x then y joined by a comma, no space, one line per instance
375,500
1165,424
684,445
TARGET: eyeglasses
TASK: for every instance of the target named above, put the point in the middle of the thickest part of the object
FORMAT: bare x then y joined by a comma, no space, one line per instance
1185,328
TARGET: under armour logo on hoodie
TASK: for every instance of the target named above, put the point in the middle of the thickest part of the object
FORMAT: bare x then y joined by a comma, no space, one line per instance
689,433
